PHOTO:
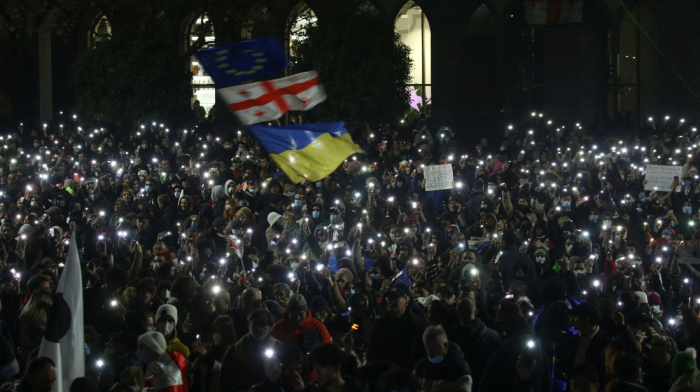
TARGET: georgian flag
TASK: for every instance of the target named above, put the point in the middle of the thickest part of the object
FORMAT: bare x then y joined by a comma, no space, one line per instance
167,374
270,99
553,12
64,338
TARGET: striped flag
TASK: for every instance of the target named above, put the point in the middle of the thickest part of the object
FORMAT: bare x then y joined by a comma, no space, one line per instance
270,99
64,338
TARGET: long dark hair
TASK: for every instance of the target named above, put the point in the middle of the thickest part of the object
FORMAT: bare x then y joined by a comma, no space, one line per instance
223,325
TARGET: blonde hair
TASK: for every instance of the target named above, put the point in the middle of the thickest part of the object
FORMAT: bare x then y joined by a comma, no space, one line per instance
244,212
37,310
129,293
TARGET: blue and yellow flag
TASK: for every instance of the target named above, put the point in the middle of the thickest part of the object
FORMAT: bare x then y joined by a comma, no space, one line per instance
307,151
236,63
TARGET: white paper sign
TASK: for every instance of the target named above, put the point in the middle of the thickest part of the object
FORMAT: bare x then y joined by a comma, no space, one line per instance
660,177
689,252
438,177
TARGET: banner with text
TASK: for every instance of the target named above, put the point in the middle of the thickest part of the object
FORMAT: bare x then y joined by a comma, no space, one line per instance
688,252
438,177
659,177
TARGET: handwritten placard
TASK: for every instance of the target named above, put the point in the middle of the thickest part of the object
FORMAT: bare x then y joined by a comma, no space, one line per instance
660,177
688,252
438,177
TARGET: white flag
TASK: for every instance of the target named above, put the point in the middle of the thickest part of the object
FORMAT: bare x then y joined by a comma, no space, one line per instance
64,338
270,99
553,12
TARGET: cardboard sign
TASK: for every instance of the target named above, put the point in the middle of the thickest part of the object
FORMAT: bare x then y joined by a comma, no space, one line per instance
660,177
438,177
689,252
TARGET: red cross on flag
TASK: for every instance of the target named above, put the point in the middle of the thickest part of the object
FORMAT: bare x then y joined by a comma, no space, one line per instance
270,99
553,12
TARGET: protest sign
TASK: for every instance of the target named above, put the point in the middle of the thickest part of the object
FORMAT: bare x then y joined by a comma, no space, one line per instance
438,177
688,252
660,177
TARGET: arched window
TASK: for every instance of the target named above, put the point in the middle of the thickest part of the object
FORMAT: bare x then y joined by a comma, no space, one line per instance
413,27
201,36
100,30
301,17
637,63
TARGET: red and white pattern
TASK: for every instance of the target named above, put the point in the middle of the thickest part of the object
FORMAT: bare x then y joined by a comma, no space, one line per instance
270,99
167,374
553,12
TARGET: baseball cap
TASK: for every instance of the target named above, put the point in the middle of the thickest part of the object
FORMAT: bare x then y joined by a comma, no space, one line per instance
400,289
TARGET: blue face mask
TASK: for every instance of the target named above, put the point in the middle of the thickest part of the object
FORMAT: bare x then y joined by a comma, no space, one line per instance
193,224
149,189
94,197
673,223
375,276
349,293
228,207
334,218
436,360
142,357
687,210
88,349
319,184
288,227
593,218
292,194
297,203
316,214
61,203
484,206
607,222
235,232
566,204
149,329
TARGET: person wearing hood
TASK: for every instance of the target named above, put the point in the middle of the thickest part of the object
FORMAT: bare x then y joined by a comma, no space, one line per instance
299,327
243,364
277,203
218,198
444,367
275,223
317,216
166,324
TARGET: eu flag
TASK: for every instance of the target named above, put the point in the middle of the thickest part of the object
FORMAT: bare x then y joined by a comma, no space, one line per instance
236,63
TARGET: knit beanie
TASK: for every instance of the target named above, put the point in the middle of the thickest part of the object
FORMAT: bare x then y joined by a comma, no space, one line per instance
684,361
344,272
296,303
168,310
154,340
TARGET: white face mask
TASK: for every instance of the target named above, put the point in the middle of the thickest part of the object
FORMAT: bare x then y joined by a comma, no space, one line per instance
294,266
177,194
540,259
656,309
216,338
166,328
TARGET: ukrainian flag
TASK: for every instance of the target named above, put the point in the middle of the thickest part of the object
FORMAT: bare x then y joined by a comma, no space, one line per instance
306,152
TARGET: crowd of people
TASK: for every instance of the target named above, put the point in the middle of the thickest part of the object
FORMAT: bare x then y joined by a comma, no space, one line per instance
546,266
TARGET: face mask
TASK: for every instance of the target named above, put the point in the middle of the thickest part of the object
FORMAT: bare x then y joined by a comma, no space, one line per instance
149,189
110,144
230,190
596,255
209,138
668,237
640,210
320,200
36,145
144,146
436,360
179,149
484,206
288,227
687,210
253,191
32,203
607,222
579,273
349,293
94,197
569,249
393,237
656,309
166,328
540,259
503,148
673,223
334,218
177,194
227,207
61,203
142,357
643,285
566,204
297,203
294,266
193,224
316,214
375,276
319,184
593,218
70,142
88,349
216,338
